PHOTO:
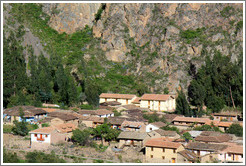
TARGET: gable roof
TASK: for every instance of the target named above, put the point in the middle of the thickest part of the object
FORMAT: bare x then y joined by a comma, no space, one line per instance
117,96
158,124
236,149
161,142
217,139
166,133
95,112
170,117
136,100
225,114
134,124
190,119
116,120
157,97
65,127
28,111
133,135
188,155
205,146
63,116
44,130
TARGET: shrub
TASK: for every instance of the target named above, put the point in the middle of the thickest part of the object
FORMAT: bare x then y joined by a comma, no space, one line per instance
172,128
40,157
86,106
236,129
98,161
82,137
45,125
7,128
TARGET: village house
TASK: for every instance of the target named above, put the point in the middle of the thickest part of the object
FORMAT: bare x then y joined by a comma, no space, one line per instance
91,121
169,117
233,153
228,116
186,156
223,126
128,125
213,137
43,137
31,114
102,113
124,99
161,150
136,101
116,122
50,105
185,122
164,133
194,133
132,138
154,126
158,102
60,118
205,151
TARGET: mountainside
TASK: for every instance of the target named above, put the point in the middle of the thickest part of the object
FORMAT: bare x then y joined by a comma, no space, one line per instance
152,44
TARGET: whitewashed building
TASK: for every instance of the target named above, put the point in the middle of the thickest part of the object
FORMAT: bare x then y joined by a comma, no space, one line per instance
154,126
124,99
158,102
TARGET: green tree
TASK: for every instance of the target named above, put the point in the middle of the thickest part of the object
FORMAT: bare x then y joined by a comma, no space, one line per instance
182,105
236,129
82,137
20,128
187,136
105,132
92,91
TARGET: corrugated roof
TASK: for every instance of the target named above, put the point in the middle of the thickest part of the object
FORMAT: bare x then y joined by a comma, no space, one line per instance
161,142
117,96
157,97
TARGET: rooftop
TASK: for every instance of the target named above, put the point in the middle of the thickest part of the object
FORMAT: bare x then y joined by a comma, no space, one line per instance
189,155
158,124
205,146
28,111
161,142
190,119
133,135
166,133
63,116
157,97
137,100
117,96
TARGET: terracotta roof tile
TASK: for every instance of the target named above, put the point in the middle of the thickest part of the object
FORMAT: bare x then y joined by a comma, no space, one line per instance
162,142
205,146
63,116
65,127
190,119
189,155
133,135
167,133
44,130
158,124
137,100
234,148
157,97
117,96
28,111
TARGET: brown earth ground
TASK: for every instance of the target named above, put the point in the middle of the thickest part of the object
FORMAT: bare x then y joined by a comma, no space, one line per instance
21,145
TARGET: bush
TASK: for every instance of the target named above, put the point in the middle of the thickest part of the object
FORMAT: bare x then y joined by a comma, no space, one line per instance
40,157
45,125
82,137
207,128
98,161
236,129
172,128
9,157
87,107
7,128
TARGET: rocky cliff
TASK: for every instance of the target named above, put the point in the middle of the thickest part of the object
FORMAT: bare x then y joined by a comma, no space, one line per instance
156,42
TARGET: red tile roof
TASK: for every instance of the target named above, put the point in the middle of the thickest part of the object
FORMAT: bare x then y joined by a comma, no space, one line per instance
137,100
117,96
65,127
161,142
44,130
189,119
219,123
157,97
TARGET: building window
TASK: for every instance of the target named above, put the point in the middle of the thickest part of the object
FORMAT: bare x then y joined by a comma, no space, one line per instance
35,135
229,155
152,149
151,128
151,156
241,155
163,157
174,150
163,149
46,136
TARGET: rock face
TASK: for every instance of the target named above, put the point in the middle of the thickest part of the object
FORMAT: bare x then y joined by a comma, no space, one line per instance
70,17
149,38
131,33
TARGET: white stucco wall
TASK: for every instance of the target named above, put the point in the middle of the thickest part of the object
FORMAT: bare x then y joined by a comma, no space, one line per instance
151,126
226,157
122,101
46,139
168,105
